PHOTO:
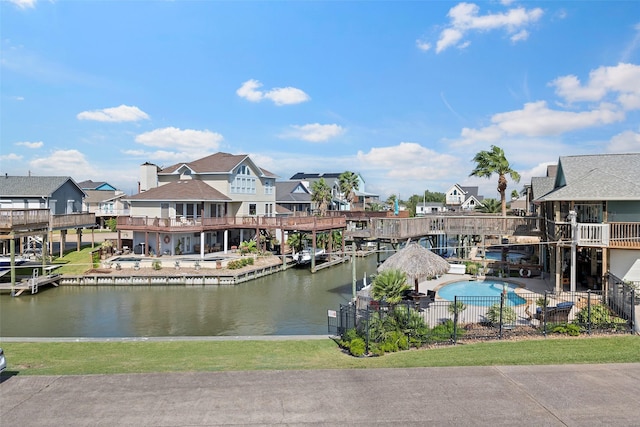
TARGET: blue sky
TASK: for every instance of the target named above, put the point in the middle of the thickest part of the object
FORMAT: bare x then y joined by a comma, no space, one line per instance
404,93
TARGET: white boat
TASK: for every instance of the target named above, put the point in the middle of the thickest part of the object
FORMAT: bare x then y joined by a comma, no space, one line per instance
5,261
304,256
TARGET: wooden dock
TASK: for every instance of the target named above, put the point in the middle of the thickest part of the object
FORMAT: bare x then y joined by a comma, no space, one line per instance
33,284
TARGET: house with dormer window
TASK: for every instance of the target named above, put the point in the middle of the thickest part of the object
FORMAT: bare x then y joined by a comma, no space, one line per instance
459,198
293,198
192,207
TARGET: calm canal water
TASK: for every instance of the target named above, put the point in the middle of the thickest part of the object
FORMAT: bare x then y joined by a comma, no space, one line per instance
293,302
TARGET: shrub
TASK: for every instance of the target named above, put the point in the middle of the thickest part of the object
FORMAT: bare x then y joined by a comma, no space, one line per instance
566,328
600,315
357,347
156,265
508,314
443,331
239,263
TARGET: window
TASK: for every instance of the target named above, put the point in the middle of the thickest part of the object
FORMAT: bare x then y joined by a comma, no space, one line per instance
268,187
252,209
243,182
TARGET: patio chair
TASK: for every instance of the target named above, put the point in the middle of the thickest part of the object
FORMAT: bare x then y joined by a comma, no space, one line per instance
556,314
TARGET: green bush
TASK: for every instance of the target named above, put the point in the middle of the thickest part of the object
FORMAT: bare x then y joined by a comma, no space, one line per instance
357,347
600,315
566,328
156,265
443,331
239,263
508,314
111,223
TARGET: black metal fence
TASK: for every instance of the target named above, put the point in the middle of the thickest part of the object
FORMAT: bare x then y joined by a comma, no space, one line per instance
485,318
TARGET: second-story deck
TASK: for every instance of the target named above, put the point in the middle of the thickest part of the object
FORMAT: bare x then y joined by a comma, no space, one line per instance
27,221
183,224
615,235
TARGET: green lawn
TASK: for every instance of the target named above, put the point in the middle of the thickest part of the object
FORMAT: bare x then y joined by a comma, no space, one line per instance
183,356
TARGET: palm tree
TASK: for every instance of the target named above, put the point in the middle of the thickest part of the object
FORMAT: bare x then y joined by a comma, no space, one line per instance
297,241
321,194
348,182
489,206
390,286
494,161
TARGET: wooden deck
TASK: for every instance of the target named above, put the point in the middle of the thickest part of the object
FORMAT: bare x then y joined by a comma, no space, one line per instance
33,284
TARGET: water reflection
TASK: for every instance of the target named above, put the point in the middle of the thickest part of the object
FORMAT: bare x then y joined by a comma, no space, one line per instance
293,302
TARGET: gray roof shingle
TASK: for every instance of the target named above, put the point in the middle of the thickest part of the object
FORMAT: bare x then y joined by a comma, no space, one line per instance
596,177
31,186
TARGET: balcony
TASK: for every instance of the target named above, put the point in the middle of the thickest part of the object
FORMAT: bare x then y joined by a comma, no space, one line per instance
12,220
186,224
30,220
609,235
72,220
112,212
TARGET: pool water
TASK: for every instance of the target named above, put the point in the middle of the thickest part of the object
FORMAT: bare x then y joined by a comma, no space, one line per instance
484,288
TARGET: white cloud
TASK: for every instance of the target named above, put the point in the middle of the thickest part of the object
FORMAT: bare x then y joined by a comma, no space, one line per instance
286,96
63,162
123,113
280,95
614,89
625,142
520,36
24,4
10,157
28,144
423,45
621,80
187,143
408,160
314,132
248,91
536,119
465,18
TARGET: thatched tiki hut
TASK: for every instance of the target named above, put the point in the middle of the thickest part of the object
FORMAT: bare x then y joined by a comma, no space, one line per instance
417,262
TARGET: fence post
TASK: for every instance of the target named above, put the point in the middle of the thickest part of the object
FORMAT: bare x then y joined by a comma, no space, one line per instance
589,311
455,320
367,334
633,311
544,313
501,308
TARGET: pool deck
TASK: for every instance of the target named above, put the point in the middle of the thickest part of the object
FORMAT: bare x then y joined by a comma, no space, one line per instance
535,284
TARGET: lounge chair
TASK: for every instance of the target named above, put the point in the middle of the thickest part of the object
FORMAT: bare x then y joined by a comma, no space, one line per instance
556,314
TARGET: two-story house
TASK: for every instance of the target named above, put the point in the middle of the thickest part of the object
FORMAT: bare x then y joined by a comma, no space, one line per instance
459,198
32,207
199,206
103,200
339,201
591,210
293,198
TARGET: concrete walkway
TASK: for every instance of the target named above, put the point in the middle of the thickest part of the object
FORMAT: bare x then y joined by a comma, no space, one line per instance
571,395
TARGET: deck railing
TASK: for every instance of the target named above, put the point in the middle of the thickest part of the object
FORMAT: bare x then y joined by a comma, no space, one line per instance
19,219
176,224
73,220
612,235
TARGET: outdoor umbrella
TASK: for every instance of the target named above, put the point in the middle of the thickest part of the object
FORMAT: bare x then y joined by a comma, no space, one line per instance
416,262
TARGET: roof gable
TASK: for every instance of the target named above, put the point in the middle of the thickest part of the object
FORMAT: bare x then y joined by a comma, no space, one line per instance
33,186
188,189
597,177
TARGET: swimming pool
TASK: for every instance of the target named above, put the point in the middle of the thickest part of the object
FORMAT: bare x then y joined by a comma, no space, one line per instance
483,288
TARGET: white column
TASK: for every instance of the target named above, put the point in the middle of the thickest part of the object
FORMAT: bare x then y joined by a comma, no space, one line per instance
226,240
202,244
